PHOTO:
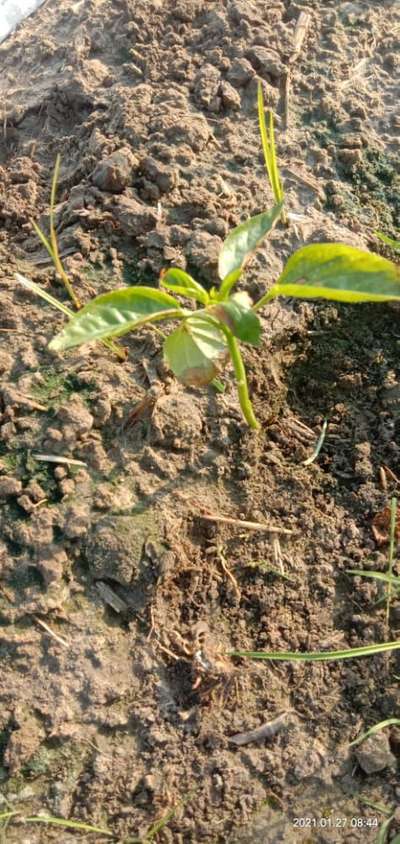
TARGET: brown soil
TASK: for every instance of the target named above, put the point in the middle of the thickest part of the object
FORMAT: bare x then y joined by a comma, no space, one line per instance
151,105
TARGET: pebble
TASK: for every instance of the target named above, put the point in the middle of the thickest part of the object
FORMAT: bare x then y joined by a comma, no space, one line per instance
115,173
374,754
9,486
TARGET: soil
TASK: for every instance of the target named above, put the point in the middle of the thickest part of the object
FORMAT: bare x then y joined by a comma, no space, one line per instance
131,714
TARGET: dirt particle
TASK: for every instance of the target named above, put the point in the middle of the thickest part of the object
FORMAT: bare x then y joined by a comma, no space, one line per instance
134,217
265,61
240,73
176,421
115,546
115,173
230,97
9,486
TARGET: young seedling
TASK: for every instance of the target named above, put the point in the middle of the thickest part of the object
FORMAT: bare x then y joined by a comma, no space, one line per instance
210,332
51,245
269,150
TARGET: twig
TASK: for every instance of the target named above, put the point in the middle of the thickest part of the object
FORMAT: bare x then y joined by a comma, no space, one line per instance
50,632
224,566
227,520
267,730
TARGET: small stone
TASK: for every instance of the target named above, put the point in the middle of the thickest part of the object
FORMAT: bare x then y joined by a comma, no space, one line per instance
203,250
134,217
60,472
9,486
374,754
165,177
75,415
206,87
265,61
76,520
6,362
115,173
240,73
35,491
26,503
176,421
230,97
51,563
115,546
66,486
350,157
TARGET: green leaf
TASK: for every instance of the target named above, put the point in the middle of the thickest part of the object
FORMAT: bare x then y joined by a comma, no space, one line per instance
390,722
395,244
180,282
239,317
339,272
319,656
240,245
194,350
113,314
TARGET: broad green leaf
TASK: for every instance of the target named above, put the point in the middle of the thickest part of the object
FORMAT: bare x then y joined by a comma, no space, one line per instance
395,244
239,317
240,245
113,314
180,282
194,350
339,272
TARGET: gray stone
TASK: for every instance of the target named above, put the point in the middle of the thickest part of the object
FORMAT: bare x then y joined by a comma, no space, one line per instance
265,61
240,73
374,754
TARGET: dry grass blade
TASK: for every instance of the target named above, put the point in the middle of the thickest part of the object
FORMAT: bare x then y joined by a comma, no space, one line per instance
51,632
227,520
300,33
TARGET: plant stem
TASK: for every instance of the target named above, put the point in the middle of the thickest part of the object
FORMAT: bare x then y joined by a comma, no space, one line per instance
241,379
263,301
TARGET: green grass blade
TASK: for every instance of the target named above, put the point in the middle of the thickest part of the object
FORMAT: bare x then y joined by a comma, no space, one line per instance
264,138
392,542
318,447
394,244
383,832
390,722
274,162
319,656
54,183
5,815
377,575
46,243
30,285
84,827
